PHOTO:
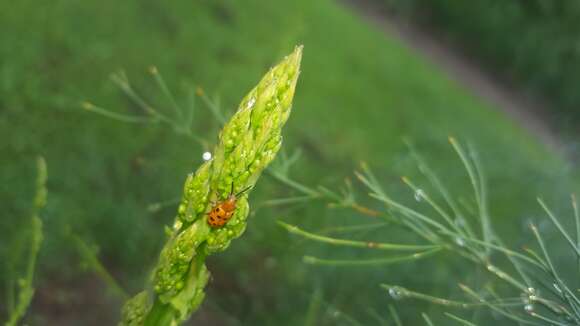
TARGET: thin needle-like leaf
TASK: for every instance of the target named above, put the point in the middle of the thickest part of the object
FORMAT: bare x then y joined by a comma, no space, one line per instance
121,80
357,244
577,222
468,167
22,301
548,320
163,86
403,293
571,298
380,319
287,200
496,308
483,210
432,176
499,248
506,277
460,320
313,308
406,210
293,184
515,263
427,319
114,115
433,204
560,228
395,316
369,262
213,107
354,228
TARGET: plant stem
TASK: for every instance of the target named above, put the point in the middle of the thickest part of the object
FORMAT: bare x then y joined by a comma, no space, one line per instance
160,314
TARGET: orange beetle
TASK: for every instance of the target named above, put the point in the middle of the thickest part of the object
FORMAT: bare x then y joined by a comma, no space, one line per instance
223,211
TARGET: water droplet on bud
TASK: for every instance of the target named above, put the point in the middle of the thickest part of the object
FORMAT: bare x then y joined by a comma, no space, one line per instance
181,209
251,103
206,156
419,195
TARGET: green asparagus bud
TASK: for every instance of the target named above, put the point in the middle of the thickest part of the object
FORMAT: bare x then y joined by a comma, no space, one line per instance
247,144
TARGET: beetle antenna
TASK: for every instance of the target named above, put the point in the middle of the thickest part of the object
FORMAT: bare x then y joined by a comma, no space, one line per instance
232,190
244,190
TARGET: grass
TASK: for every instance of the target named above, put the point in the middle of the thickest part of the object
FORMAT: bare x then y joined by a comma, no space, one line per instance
361,92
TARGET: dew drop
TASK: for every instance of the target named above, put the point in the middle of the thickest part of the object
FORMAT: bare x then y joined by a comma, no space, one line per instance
529,308
460,242
419,195
181,209
206,156
251,103
395,293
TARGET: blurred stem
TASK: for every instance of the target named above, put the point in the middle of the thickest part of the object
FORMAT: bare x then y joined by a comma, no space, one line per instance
379,319
10,293
26,291
160,314
90,257
313,308
395,316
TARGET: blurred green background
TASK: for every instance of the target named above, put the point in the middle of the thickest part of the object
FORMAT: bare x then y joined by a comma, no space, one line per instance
532,42
360,93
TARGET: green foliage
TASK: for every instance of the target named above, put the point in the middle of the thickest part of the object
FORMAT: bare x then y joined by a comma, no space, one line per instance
247,144
542,295
17,305
362,91
534,42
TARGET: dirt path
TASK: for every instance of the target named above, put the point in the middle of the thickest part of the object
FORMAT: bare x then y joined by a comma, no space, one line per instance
466,71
